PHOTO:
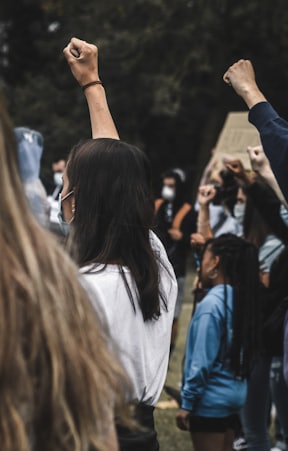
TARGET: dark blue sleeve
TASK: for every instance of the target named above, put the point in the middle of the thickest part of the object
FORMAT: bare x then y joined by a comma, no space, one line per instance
274,136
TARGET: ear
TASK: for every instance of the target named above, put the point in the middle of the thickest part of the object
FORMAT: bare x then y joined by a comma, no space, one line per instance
216,260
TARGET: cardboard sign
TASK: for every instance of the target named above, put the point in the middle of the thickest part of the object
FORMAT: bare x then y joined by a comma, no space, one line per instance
236,135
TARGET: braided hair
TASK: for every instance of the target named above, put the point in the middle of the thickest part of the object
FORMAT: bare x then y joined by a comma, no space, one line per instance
239,265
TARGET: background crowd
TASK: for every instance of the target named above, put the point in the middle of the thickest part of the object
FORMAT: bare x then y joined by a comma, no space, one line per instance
86,344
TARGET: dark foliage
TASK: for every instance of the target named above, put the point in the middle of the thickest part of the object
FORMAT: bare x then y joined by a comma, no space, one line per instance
161,61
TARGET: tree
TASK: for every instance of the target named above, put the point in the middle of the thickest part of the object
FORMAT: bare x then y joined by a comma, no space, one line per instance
161,61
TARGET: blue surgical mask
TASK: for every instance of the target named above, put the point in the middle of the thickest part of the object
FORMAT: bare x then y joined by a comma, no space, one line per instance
64,225
239,213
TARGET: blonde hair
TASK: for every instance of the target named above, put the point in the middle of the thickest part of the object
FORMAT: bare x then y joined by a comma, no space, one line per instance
59,384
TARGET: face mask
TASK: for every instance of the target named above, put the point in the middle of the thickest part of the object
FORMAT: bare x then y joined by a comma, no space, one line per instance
58,178
239,213
64,226
167,193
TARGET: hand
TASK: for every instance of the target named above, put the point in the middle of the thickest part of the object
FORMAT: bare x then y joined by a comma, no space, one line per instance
83,60
197,239
206,194
237,169
175,234
182,419
241,77
259,161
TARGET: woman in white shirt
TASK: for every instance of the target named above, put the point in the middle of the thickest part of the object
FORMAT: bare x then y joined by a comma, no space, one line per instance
107,200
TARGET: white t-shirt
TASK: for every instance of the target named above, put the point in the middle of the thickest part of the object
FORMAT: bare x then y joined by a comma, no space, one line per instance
143,346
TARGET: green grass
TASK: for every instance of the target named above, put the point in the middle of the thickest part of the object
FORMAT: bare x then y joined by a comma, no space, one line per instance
169,436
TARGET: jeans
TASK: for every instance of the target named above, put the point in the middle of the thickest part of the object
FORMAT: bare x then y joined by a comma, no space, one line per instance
255,412
279,394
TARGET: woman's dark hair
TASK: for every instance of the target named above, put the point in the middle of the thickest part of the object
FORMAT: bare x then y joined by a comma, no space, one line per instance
114,213
239,265
255,228
262,215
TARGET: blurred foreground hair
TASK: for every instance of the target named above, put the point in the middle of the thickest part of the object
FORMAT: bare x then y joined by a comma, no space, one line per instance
59,384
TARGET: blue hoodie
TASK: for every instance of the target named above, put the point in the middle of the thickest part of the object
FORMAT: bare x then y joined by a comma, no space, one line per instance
210,388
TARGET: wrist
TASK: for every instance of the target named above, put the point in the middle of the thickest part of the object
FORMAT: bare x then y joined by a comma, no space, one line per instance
203,223
88,85
252,95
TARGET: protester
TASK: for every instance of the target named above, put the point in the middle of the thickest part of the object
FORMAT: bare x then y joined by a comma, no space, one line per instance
53,182
264,227
273,129
215,203
221,344
107,204
273,132
175,220
60,385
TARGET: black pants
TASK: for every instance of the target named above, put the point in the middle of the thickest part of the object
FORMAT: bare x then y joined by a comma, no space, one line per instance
139,440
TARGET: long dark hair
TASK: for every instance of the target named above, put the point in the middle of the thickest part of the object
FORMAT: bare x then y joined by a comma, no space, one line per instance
239,265
114,213
255,228
262,215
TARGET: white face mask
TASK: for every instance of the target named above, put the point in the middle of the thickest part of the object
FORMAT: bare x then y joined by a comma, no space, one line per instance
168,193
239,213
58,178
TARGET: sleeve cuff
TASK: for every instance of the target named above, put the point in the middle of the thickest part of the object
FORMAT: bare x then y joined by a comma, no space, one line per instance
186,404
261,113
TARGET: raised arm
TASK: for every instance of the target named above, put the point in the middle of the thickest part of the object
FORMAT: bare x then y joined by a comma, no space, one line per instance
83,61
272,128
206,194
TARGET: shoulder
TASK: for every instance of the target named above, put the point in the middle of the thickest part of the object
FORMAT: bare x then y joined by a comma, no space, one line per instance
156,244
213,302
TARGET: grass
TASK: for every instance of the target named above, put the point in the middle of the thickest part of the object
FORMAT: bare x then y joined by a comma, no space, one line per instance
169,436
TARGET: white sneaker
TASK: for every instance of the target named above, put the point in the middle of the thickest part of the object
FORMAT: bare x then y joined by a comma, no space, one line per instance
239,444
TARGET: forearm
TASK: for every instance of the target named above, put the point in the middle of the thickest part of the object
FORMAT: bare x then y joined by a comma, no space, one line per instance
252,96
203,222
102,123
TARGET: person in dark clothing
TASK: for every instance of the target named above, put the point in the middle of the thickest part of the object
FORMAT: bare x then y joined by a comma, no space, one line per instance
274,136
175,220
264,226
